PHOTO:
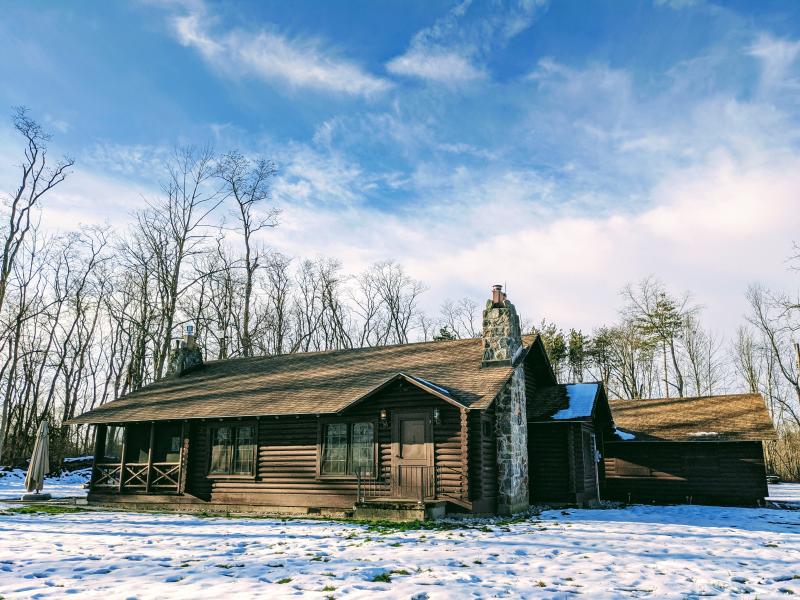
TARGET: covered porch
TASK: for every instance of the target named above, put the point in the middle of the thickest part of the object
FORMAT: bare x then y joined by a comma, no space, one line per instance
147,458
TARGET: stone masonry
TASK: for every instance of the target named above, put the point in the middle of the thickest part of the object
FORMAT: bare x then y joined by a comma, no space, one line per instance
184,357
501,342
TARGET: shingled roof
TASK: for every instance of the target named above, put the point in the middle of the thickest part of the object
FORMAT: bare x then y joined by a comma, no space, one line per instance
309,383
739,417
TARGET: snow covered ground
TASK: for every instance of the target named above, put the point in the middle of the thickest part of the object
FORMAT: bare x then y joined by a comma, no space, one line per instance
635,552
785,492
12,484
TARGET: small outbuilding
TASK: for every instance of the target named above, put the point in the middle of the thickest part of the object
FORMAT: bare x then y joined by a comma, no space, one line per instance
704,450
566,427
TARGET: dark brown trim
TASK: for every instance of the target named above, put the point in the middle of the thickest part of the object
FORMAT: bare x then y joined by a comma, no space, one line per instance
150,456
122,458
322,422
222,476
413,381
465,458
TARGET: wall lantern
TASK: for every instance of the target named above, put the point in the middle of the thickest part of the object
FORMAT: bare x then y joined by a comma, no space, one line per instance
384,416
437,417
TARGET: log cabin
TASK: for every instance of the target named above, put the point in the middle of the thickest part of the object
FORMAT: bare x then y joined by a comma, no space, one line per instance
408,431
706,450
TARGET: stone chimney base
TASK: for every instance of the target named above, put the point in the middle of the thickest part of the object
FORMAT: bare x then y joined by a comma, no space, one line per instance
512,446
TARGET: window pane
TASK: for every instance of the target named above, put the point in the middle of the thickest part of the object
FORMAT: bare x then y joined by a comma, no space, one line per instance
245,449
334,457
221,450
113,451
362,448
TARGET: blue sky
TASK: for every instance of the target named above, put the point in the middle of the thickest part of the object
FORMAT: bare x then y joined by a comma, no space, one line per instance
564,147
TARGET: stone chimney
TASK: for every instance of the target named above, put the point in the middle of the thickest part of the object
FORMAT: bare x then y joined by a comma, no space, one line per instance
186,356
501,334
502,342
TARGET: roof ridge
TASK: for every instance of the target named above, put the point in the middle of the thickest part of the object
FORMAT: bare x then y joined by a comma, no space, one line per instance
336,351
679,398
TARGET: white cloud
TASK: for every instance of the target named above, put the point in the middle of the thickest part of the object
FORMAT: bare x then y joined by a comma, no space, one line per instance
435,65
676,4
711,229
273,57
452,49
778,57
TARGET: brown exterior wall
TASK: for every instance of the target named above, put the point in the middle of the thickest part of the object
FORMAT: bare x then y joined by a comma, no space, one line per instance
678,472
483,461
286,469
561,467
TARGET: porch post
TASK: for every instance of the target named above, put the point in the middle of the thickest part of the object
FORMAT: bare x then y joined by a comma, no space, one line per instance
150,456
123,452
184,459
464,455
99,450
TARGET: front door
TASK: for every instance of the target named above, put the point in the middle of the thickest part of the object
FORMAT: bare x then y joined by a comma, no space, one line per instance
412,466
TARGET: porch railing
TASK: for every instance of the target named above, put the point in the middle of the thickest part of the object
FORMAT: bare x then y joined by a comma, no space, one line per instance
410,482
137,477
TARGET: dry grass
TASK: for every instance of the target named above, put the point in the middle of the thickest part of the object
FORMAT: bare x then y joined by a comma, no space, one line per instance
783,456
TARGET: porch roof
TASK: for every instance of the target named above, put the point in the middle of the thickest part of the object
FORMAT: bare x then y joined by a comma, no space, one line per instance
310,383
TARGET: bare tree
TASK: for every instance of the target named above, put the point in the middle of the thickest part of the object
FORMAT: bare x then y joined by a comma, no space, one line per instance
462,317
174,228
248,183
774,318
37,178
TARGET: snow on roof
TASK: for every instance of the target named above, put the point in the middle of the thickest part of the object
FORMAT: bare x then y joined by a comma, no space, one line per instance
430,384
581,401
624,435
704,434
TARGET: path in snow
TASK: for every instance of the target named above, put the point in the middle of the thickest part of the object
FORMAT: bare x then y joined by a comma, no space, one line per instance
636,552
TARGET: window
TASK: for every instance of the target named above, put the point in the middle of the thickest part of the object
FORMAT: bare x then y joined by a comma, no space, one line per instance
347,448
232,450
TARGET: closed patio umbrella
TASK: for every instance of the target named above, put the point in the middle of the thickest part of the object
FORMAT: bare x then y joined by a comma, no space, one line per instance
40,465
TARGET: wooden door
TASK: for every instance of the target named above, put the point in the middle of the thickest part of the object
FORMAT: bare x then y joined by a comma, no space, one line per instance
412,464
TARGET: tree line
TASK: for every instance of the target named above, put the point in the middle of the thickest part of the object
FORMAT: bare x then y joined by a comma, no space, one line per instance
89,315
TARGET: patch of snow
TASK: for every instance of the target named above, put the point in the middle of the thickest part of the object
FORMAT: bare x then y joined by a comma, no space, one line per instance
519,351
438,388
66,485
704,434
624,435
70,459
784,492
639,551
580,397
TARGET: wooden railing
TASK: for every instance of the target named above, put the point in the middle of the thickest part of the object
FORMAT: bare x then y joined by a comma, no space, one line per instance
406,482
137,477
106,475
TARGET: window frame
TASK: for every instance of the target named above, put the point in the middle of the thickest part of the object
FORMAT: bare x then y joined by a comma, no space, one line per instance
235,425
349,421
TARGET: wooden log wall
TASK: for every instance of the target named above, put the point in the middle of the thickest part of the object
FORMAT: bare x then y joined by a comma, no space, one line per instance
678,472
483,460
549,463
287,455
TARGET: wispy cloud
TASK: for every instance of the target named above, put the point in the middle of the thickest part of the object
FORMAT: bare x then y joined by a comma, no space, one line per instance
452,50
273,57
676,4
778,58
